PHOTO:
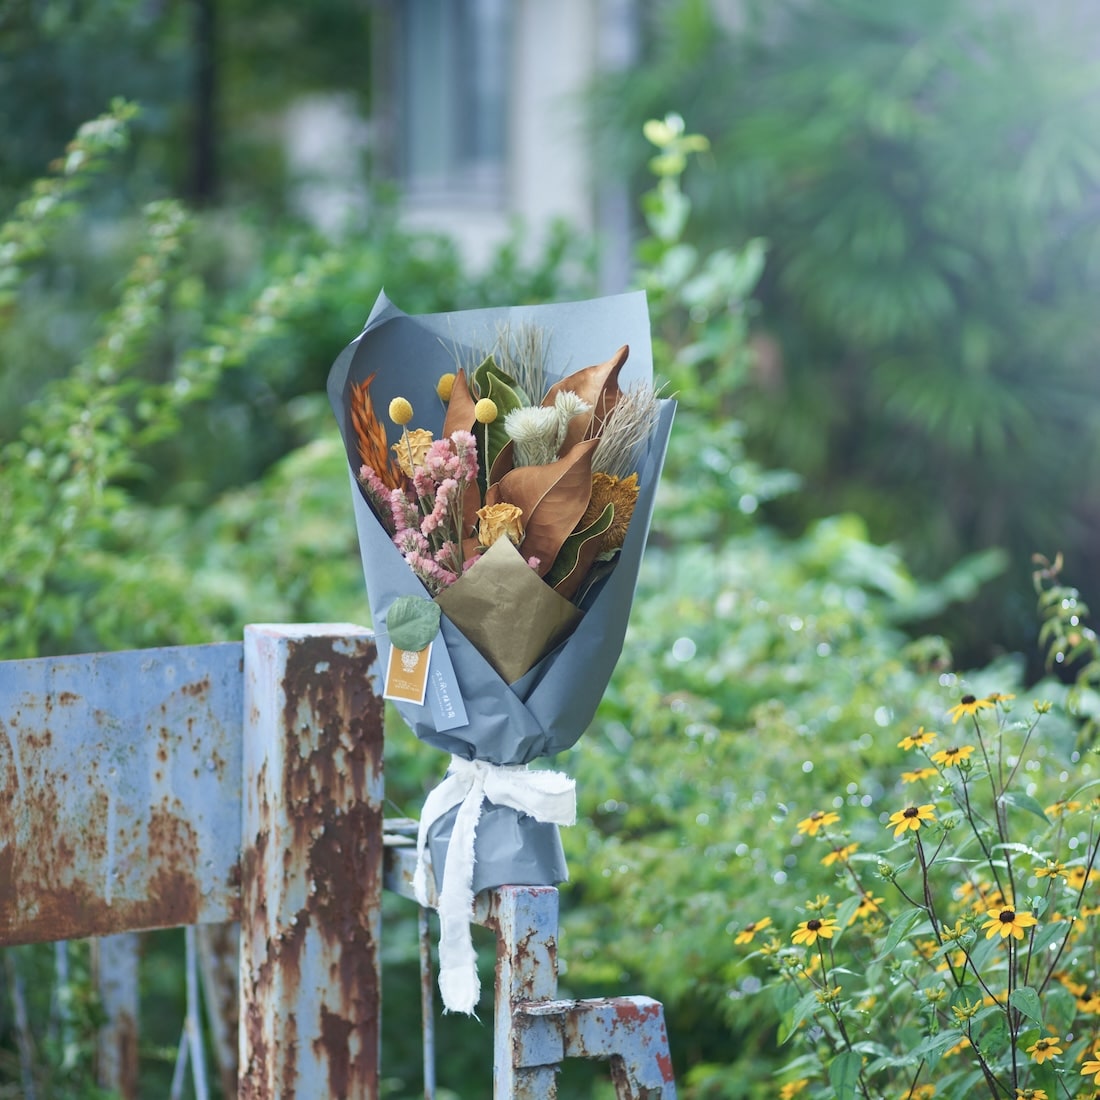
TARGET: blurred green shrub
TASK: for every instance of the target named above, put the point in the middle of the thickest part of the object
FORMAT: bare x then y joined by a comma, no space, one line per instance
764,678
927,176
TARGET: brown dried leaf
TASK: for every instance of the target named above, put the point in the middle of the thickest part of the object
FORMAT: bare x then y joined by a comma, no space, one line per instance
460,407
553,499
597,385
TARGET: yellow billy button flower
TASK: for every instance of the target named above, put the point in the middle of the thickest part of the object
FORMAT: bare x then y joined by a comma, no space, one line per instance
401,411
968,704
809,826
749,931
1007,921
955,755
917,740
912,817
810,931
485,411
1042,1049
445,386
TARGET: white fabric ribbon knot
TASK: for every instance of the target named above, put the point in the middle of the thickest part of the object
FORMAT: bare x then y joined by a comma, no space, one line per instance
546,796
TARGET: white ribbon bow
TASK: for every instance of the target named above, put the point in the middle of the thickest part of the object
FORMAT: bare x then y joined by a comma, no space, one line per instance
544,795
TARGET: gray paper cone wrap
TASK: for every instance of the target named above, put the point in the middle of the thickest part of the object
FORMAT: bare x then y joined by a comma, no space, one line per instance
547,709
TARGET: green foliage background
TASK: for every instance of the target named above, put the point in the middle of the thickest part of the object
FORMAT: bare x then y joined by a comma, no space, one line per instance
927,176
873,302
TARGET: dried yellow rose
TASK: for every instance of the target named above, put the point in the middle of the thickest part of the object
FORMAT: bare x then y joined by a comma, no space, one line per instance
411,448
499,521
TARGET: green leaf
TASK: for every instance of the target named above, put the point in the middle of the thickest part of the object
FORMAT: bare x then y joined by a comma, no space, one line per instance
847,910
932,1048
412,622
844,1074
1060,1007
903,925
804,1009
570,553
501,388
1024,802
1026,1000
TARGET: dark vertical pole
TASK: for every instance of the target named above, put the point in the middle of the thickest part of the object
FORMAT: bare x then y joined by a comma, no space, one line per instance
204,165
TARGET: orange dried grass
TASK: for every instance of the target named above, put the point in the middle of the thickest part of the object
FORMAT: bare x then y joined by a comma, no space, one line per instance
371,436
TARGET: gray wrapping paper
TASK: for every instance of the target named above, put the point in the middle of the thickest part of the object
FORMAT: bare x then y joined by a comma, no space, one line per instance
549,708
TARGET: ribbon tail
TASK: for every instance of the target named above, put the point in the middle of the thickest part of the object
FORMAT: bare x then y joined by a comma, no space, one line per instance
458,980
450,792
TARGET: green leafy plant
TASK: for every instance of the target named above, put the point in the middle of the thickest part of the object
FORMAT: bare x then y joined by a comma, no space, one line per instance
959,956
926,176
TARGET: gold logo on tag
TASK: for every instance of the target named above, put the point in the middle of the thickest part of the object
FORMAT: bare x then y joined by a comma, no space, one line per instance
407,674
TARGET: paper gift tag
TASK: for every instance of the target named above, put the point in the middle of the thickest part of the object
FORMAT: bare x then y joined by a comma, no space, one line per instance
407,674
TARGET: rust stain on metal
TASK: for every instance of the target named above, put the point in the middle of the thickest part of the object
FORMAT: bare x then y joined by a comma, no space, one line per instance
327,802
338,829
126,1037
63,906
219,949
333,1046
197,689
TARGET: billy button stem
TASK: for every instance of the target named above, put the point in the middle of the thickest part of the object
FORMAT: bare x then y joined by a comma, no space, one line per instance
401,412
485,412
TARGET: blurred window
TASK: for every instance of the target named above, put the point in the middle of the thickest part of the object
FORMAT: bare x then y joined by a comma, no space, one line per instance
452,83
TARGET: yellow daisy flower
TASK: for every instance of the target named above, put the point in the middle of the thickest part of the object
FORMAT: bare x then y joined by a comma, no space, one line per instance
1007,922
917,740
968,704
1053,868
809,931
868,905
1042,1049
793,1088
952,756
1031,1094
1089,1002
912,817
746,934
1061,807
1076,877
840,854
918,775
1078,989
1092,1066
809,826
